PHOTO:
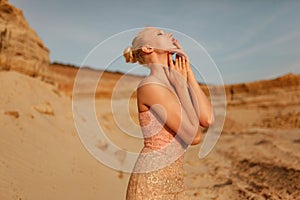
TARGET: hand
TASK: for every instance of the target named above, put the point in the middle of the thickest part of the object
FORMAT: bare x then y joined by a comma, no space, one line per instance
179,51
176,72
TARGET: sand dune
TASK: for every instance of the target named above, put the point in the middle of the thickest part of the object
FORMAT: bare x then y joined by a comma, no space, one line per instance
41,154
257,156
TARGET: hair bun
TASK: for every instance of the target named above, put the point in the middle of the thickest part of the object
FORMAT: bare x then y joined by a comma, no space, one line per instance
128,54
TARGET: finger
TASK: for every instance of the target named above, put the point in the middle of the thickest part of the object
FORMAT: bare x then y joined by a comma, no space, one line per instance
184,63
179,52
177,62
180,62
184,66
177,44
187,63
171,64
187,59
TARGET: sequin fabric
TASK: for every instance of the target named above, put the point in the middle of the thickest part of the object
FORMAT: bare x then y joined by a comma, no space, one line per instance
158,173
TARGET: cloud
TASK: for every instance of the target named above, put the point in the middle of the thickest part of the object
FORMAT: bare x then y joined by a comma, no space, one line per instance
260,47
253,31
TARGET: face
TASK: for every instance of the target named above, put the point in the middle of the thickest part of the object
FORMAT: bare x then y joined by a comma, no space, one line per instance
158,39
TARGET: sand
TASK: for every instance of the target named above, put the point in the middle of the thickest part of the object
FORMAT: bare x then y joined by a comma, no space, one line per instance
42,157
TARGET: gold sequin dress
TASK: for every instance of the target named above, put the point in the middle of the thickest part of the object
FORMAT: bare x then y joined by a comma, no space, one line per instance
158,172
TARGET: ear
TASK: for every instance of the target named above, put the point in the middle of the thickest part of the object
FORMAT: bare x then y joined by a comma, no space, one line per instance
147,49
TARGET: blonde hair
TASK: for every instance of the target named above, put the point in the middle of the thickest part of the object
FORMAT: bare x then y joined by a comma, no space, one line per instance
134,53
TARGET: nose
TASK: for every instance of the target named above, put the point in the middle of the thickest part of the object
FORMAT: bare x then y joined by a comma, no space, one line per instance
170,35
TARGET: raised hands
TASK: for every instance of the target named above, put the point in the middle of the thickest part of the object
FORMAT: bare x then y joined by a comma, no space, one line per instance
199,99
177,70
181,53
179,50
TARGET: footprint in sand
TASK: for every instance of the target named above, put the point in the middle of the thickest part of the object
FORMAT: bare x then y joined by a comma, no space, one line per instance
44,108
14,114
120,155
102,145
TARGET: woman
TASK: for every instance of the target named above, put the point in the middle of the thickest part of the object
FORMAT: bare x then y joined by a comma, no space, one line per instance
169,102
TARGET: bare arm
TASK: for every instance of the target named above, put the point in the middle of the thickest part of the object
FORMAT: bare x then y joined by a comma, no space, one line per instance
201,104
174,109
177,75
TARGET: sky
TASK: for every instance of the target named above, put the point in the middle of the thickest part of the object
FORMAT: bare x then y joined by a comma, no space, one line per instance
233,41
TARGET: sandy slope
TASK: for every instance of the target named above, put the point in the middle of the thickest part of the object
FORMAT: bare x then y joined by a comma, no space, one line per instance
41,154
42,157
256,164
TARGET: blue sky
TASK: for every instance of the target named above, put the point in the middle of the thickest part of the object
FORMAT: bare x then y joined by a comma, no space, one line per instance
247,40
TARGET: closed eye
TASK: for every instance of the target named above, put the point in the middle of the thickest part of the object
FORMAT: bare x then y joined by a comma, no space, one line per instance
159,34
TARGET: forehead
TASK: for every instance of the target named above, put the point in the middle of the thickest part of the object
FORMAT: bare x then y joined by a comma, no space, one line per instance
152,30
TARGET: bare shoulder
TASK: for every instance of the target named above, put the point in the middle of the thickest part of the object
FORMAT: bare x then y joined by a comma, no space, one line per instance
152,85
153,91
150,81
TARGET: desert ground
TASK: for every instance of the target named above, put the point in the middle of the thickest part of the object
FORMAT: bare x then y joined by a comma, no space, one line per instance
256,157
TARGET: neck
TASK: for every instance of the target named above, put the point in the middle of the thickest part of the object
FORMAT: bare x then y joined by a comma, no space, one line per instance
157,69
157,66
157,62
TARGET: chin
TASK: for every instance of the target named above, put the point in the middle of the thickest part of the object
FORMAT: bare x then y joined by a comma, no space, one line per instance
174,46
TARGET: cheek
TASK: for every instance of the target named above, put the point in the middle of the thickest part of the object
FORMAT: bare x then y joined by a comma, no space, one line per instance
161,42
164,43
